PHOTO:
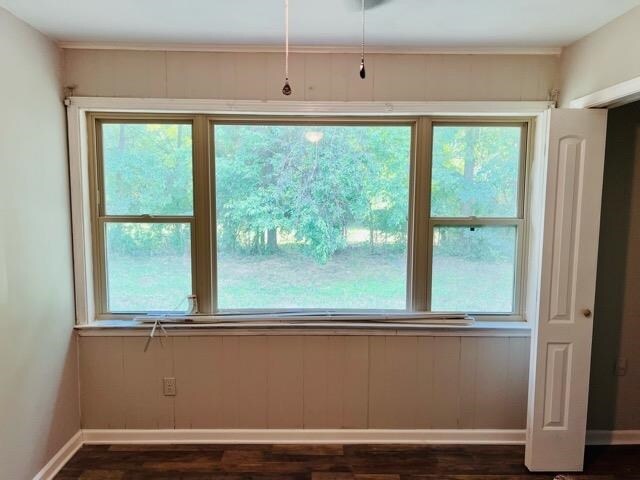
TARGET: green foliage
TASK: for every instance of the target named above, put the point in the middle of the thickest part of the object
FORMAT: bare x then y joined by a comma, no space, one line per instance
275,186
147,169
272,178
475,171
148,239
483,244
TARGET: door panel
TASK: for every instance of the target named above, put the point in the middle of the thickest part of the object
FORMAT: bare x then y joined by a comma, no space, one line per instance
570,156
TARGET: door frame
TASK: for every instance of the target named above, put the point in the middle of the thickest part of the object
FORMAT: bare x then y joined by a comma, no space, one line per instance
613,96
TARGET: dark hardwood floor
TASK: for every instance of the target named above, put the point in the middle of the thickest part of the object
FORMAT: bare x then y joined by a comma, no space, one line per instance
329,462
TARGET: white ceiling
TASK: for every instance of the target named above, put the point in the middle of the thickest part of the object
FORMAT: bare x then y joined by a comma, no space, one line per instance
399,23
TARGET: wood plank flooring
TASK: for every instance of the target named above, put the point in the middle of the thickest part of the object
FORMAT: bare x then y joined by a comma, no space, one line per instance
331,462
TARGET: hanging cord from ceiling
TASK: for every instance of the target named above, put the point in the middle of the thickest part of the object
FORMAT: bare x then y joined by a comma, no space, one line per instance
286,90
363,73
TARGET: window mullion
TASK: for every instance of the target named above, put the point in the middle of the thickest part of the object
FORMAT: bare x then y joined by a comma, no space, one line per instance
203,238
419,285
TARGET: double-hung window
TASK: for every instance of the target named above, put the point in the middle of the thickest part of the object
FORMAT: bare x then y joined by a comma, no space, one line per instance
476,217
145,215
306,215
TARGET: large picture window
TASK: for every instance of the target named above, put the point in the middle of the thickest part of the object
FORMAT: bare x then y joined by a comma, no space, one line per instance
307,215
312,216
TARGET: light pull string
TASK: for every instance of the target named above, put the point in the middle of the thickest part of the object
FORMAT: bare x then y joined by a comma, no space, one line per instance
286,89
363,73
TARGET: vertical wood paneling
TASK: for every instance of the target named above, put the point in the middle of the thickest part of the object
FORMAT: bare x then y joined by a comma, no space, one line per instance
244,400
504,66
285,384
274,77
317,77
198,365
400,78
117,73
146,406
487,374
468,372
316,382
335,382
425,382
102,382
355,397
539,76
346,84
200,75
226,73
515,414
251,80
378,401
340,77
446,386
491,382
393,374
259,76
305,382
449,77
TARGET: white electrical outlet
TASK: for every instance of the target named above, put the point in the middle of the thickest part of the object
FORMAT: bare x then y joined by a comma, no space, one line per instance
169,386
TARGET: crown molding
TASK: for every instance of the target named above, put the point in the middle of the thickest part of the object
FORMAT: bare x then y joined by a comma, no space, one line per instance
230,48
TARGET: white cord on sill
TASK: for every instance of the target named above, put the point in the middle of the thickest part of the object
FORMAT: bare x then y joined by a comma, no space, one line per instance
156,324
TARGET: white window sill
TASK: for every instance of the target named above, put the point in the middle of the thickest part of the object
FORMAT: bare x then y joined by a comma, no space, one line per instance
479,328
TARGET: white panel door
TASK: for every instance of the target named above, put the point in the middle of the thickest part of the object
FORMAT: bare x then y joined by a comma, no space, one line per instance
568,168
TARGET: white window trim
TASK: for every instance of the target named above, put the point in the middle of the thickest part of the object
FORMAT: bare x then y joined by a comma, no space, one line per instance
77,107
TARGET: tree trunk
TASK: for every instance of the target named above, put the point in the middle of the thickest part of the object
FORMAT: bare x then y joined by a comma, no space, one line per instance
121,138
256,242
371,238
272,240
469,167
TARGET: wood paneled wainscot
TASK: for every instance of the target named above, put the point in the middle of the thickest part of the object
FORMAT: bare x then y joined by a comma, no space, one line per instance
305,381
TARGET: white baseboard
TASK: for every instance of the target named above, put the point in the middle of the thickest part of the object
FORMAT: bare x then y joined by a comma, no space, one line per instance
613,437
428,436
305,436
59,460
203,436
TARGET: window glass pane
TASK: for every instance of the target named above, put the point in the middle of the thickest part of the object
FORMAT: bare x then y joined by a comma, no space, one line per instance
312,216
147,169
475,171
148,266
473,269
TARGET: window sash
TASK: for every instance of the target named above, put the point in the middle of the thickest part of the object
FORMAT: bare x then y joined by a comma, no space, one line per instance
203,222
518,277
519,221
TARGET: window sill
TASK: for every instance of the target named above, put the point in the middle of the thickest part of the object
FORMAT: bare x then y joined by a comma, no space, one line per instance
126,328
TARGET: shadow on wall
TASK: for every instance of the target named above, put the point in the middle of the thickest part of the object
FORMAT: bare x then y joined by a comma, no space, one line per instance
615,252
65,411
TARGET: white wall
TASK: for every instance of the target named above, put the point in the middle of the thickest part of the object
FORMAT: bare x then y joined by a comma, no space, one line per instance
38,372
607,56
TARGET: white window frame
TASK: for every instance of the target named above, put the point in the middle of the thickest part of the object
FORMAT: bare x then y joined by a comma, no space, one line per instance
79,149
520,221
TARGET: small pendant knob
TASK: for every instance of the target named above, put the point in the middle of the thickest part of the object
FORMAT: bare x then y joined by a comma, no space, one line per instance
363,73
286,90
